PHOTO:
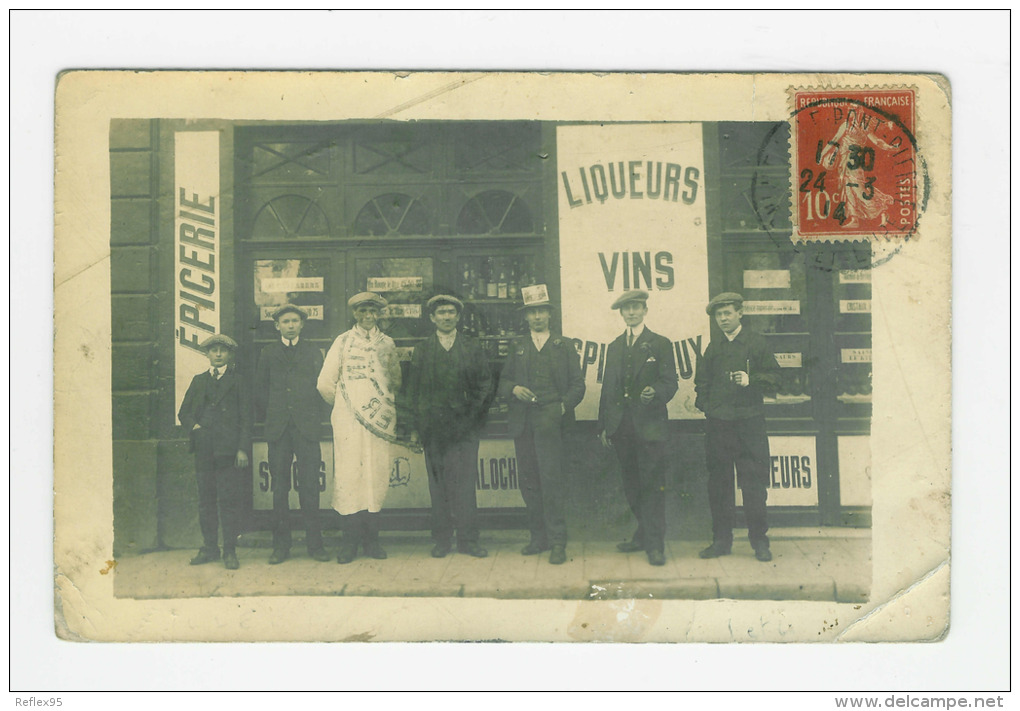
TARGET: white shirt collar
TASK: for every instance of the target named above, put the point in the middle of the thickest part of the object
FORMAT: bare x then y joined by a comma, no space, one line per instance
637,330
446,340
291,342
736,332
365,334
539,338
222,369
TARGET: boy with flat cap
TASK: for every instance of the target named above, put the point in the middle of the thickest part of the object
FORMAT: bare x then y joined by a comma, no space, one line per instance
444,404
216,414
543,384
732,377
287,399
639,379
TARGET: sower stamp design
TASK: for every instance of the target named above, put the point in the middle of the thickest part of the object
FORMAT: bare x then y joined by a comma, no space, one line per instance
855,168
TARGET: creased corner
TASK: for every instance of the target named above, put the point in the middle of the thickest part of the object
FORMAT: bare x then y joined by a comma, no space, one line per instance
918,613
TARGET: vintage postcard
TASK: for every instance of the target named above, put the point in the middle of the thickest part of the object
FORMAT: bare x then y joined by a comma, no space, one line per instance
568,357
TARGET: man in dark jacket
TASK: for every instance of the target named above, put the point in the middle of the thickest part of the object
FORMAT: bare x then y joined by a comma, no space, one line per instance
444,404
542,382
216,414
640,378
732,377
285,395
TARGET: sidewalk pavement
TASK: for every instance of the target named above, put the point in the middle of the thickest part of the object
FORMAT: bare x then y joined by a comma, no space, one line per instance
825,564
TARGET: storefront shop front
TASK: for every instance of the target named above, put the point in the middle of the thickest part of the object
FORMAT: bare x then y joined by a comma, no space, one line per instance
215,224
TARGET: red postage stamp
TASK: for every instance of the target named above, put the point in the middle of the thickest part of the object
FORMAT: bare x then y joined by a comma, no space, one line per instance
856,170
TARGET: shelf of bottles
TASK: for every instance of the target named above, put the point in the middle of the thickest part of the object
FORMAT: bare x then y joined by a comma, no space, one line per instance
774,290
491,289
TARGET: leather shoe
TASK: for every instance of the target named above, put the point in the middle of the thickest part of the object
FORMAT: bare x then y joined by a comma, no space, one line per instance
347,553
629,547
374,550
656,558
230,561
714,551
473,549
279,555
204,556
441,550
534,548
763,553
319,554
558,556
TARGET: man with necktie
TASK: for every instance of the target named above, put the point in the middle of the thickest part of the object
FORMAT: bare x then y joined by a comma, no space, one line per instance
286,396
640,378
216,414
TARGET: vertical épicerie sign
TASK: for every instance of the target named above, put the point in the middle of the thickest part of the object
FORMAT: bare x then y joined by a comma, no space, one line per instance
632,216
196,251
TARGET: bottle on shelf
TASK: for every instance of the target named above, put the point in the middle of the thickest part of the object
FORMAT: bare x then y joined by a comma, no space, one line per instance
481,330
513,290
479,272
467,285
491,286
502,284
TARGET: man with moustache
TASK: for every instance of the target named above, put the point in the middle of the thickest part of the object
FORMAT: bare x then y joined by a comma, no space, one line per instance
733,375
639,379
445,403
542,382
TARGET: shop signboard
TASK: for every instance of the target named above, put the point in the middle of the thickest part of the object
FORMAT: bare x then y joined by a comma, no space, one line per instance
793,474
497,483
197,217
632,216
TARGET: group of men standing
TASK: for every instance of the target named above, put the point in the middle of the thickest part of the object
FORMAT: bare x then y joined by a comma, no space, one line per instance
442,406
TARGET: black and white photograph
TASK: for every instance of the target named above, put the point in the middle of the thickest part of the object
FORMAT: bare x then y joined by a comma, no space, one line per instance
499,352
459,338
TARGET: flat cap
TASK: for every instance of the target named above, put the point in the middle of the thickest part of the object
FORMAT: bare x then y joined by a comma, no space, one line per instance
628,296
366,296
218,339
436,301
727,298
290,308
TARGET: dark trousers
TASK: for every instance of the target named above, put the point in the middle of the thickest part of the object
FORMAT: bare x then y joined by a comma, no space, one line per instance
220,487
453,470
643,466
361,527
309,458
742,444
540,468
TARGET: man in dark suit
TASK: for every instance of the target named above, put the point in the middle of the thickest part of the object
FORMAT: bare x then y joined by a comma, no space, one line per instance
216,414
732,377
444,405
286,396
542,382
639,379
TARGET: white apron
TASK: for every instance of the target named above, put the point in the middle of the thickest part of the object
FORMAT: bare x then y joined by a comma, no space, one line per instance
359,377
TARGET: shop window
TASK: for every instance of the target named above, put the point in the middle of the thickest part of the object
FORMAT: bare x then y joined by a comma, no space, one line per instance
497,148
289,162
301,281
754,145
392,214
392,149
290,217
494,212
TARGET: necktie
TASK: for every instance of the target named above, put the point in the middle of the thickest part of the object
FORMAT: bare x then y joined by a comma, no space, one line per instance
630,338
216,373
290,343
